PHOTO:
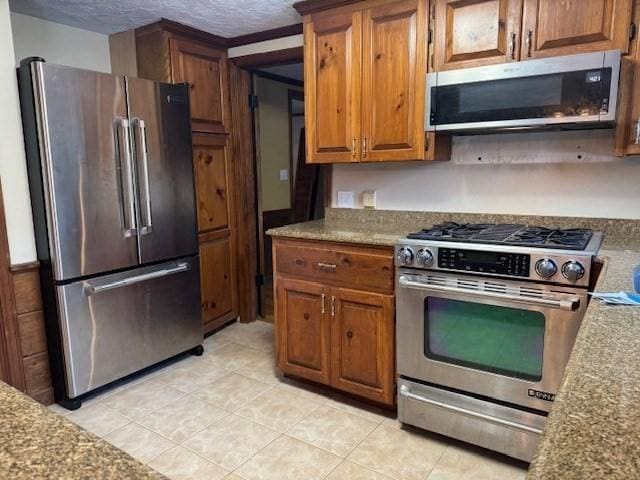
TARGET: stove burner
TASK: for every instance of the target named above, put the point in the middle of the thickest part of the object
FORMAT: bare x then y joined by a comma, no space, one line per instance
507,234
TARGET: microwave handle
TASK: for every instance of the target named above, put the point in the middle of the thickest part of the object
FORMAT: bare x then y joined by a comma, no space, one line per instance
570,303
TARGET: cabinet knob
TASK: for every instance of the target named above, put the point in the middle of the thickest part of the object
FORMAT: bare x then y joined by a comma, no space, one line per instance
349,334
306,316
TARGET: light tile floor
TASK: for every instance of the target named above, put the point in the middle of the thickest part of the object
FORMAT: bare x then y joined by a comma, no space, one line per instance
230,415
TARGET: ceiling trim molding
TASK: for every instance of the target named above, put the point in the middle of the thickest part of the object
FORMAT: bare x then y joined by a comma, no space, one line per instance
274,33
307,7
279,78
276,57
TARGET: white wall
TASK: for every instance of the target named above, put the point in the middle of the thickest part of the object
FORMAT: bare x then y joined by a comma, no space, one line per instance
267,46
56,43
13,169
529,173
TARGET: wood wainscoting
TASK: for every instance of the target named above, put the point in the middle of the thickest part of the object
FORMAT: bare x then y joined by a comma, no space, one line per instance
31,332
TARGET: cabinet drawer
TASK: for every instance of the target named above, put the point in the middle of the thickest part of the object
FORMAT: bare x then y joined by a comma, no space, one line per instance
366,268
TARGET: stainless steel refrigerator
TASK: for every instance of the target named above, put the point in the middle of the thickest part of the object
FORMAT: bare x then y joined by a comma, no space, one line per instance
112,190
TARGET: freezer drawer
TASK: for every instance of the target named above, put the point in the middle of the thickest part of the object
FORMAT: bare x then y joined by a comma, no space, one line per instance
117,324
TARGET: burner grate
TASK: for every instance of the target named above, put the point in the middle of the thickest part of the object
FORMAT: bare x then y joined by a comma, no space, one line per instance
507,234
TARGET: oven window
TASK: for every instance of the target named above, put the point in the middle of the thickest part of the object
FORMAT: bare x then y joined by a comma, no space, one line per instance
507,341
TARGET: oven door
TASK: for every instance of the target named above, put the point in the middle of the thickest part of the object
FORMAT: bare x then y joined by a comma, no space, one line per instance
508,341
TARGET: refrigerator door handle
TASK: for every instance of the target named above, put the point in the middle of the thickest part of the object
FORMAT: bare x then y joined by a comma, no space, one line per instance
140,135
126,176
182,267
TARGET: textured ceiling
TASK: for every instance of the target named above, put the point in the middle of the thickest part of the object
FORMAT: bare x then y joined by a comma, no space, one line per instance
228,18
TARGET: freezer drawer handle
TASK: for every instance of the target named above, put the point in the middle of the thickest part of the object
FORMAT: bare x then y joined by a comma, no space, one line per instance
140,135
126,172
406,392
570,303
182,267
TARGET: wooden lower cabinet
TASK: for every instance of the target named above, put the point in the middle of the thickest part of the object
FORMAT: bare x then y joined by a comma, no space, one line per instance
334,331
217,283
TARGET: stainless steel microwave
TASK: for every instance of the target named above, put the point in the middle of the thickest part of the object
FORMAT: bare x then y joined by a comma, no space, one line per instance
568,92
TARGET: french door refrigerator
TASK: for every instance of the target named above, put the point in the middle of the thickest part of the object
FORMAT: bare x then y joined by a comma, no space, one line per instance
112,192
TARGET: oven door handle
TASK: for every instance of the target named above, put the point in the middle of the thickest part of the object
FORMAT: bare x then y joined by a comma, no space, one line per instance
569,303
406,392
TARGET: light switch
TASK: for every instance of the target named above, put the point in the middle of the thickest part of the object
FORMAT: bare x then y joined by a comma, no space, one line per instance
345,199
369,199
284,175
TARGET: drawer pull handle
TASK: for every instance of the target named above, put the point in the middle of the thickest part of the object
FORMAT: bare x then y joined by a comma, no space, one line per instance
327,266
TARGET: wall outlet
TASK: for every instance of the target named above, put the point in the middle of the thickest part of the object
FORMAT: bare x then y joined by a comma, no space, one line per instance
369,199
284,175
345,199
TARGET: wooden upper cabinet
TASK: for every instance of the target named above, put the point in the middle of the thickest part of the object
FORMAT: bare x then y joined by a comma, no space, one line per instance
303,329
394,70
566,27
332,87
211,160
205,69
471,33
362,340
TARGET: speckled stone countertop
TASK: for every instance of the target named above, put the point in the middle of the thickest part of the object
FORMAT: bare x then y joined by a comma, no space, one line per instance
36,443
593,431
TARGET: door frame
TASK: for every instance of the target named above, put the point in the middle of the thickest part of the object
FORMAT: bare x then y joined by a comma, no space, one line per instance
247,175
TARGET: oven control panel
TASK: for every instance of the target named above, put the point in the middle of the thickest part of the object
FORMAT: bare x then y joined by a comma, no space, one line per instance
498,263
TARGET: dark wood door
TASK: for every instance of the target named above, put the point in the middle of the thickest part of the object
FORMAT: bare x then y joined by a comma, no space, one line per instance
205,69
554,27
362,344
394,66
332,62
471,33
303,329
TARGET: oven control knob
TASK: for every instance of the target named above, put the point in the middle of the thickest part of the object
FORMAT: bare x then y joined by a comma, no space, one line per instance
573,271
546,268
405,256
425,257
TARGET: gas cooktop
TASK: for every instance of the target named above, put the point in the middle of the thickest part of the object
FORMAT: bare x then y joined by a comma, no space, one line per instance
507,234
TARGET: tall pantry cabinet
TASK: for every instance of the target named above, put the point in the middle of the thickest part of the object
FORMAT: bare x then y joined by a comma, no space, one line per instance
169,52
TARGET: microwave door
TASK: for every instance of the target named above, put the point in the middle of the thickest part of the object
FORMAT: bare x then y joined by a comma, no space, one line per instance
161,135
85,169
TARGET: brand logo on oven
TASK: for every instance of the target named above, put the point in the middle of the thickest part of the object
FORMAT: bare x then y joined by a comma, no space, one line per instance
549,397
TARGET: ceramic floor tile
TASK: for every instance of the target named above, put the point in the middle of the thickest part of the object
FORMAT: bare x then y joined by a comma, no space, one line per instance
231,441
142,399
350,471
400,454
289,459
98,419
60,410
331,429
264,370
312,392
181,464
192,376
259,337
233,356
278,408
139,442
350,405
183,418
458,463
231,392
232,476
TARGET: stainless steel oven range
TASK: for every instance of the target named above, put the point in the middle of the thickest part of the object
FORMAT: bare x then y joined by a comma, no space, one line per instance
486,319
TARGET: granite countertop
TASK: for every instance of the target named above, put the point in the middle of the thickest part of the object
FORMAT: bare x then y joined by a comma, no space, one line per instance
36,443
593,429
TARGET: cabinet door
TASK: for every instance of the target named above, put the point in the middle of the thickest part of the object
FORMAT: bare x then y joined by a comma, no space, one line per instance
217,281
332,63
362,343
302,329
205,69
554,27
211,160
394,68
471,33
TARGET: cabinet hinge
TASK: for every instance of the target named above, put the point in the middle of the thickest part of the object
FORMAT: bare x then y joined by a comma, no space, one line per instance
259,280
253,102
430,36
632,31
